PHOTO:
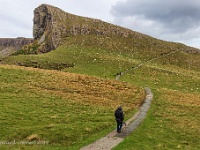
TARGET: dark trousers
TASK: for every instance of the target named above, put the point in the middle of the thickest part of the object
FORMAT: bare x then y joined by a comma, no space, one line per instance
119,126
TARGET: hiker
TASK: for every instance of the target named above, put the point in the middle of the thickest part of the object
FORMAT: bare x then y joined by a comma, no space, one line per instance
119,117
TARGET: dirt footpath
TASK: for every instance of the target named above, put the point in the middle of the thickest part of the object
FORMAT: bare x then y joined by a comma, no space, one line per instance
112,139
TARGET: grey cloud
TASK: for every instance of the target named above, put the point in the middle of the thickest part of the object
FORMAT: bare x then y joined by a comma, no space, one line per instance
174,15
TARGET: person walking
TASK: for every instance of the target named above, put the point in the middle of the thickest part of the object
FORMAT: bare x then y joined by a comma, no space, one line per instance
119,117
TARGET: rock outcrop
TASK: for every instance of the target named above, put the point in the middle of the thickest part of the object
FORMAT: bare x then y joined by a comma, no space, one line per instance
11,45
51,24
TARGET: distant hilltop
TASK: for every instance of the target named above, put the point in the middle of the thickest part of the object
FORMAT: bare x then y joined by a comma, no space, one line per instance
11,45
15,42
52,25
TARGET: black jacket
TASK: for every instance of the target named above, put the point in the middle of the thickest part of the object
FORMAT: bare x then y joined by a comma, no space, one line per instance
119,115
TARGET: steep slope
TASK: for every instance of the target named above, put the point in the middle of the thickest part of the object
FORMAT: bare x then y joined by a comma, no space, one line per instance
51,25
55,29
171,70
111,55
58,109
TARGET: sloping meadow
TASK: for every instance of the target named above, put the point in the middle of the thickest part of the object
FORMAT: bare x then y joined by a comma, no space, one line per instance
174,80
172,123
43,109
173,119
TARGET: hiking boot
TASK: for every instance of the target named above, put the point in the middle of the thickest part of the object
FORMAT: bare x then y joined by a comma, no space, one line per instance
119,131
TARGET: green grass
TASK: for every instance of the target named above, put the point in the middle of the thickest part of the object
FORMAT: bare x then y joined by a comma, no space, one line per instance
172,123
110,55
75,59
59,109
173,79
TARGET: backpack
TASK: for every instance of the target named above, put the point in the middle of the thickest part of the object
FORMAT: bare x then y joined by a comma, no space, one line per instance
118,114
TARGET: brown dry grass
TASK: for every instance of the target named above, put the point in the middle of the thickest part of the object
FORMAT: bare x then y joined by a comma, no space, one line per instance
82,88
183,110
33,137
181,98
61,108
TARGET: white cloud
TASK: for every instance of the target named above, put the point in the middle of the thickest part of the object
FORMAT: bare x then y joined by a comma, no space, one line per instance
169,20
16,17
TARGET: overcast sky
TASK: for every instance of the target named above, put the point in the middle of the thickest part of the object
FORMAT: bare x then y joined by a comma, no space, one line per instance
171,20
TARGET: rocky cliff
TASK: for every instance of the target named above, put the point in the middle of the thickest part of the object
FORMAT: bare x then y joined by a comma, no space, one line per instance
52,24
11,45
15,42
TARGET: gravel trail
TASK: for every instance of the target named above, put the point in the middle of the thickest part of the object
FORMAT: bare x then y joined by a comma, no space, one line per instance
113,138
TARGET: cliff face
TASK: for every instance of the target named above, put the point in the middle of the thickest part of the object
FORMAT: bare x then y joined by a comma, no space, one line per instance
15,42
51,24
11,45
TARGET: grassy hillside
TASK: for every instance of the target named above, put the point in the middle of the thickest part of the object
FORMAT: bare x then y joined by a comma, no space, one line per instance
59,109
66,98
172,121
112,53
